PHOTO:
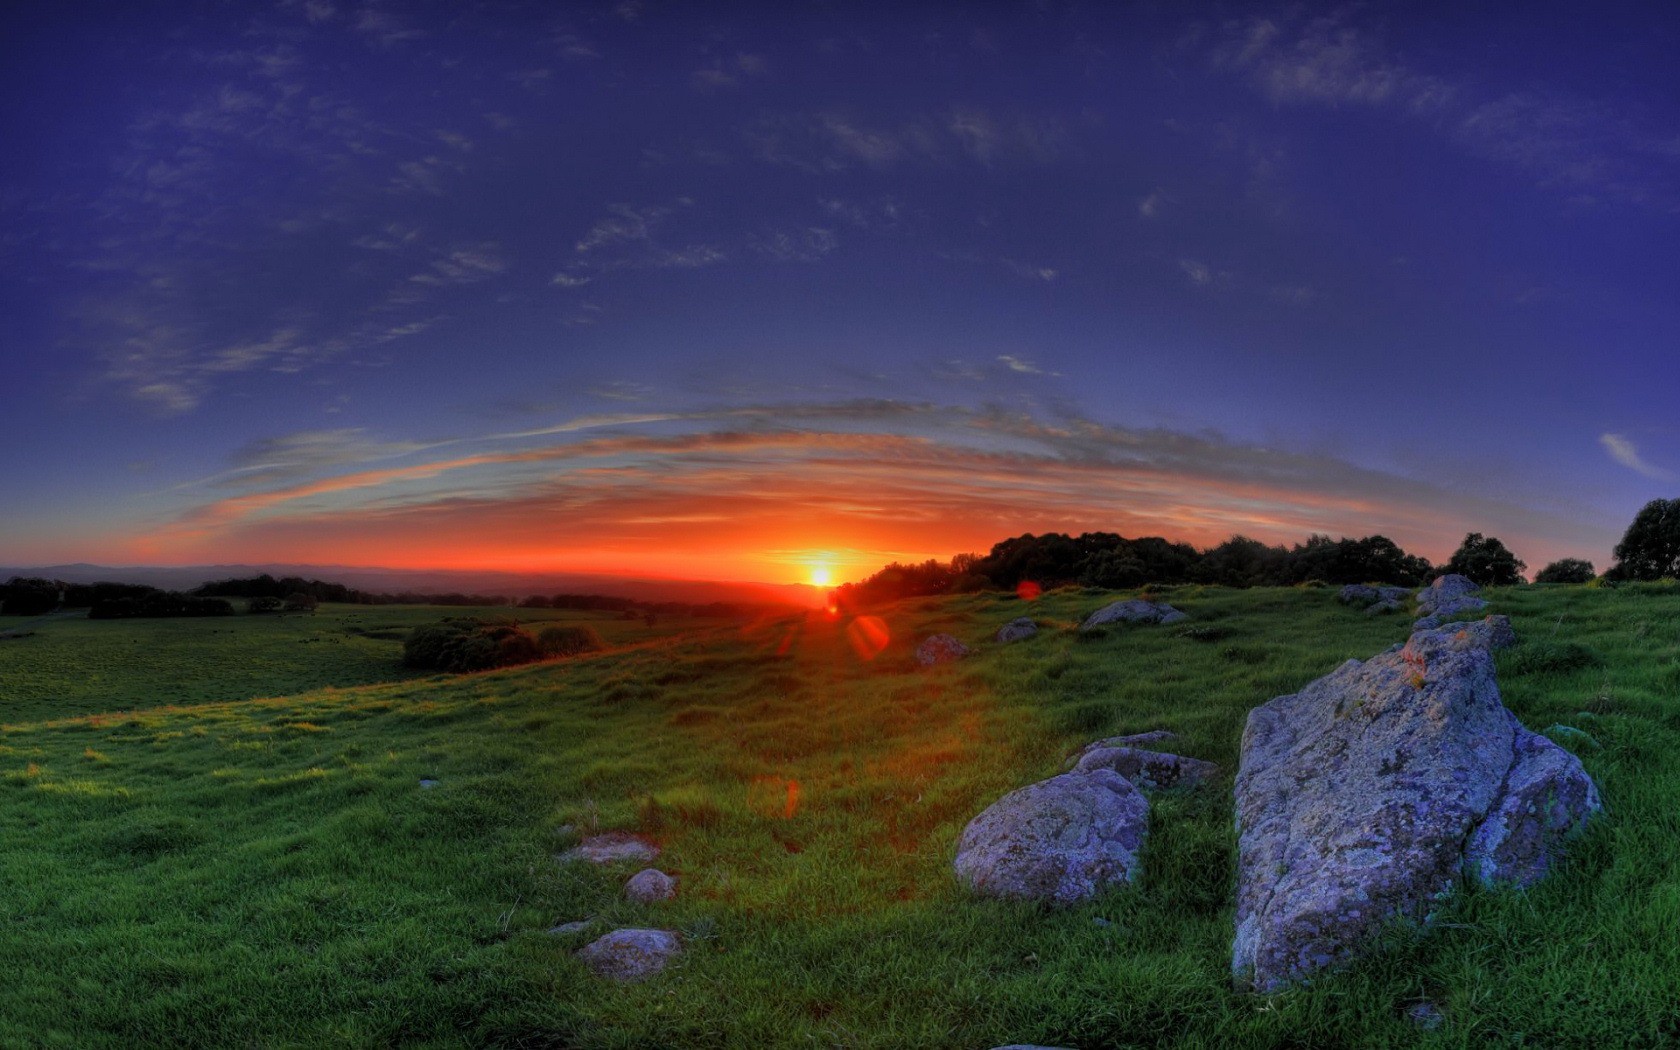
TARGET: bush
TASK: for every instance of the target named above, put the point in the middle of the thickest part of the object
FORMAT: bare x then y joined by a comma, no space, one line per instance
557,640
1486,561
1566,570
464,645
1650,549
28,597
300,602
264,605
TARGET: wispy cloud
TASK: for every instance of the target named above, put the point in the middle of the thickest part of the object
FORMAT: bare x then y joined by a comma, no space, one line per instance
835,140
1626,453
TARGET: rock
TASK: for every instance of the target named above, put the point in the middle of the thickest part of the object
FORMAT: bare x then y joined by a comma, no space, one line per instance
1148,770
566,929
1570,735
1382,608
1060,840
1425,1016
630,955
1358,594
611,846
649,885
1133,610
1393,594
1017,629
1444,589
940,649
427,782
1447,610
1490,633
1547,796
1363,797
1154,736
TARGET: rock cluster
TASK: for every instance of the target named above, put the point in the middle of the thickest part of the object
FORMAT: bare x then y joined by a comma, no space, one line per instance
1065,839
1133,610
625,954
1365,796
1450,597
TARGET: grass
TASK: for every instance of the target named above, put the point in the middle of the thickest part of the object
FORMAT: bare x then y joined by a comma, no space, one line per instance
269,871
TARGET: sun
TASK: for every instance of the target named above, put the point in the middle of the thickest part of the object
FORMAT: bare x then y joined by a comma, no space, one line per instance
822,576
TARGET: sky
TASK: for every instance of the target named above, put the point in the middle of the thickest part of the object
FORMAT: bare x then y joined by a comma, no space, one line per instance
762,292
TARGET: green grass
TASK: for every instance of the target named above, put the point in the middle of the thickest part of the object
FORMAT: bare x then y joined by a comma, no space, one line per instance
74,666
269,872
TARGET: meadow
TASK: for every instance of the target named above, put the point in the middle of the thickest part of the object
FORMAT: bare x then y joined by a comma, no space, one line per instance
250,859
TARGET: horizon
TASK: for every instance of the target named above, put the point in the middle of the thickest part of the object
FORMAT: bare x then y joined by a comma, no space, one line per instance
780,296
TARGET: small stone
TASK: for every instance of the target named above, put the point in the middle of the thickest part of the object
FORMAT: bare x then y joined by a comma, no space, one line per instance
630,955
940,649
1133,610
611,846
1149,770
649,885
566,929
428,783
1017,629
1426,1016
1570,735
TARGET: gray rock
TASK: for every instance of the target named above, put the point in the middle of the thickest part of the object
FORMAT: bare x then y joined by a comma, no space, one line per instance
1444,589
1363,797
1148,770
649,885
1133,610
1358,594
1425,1016
1490,632
427,782
940,649
1447,610
1393,594
1383,607
1061,840
567,929
1144,740
610,847
630,955
1017,629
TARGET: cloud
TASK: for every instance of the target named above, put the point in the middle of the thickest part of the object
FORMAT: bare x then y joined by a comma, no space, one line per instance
1150,206
877,474
834,140
1627,454
1325,61
1198,272
463,266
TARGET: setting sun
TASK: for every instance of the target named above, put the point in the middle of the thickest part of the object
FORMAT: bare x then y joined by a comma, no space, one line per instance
822,576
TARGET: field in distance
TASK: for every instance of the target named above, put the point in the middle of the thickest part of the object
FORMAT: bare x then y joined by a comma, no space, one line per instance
75,666
271,871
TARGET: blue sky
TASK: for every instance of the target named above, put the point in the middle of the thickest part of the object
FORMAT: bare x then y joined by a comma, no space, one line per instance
635,287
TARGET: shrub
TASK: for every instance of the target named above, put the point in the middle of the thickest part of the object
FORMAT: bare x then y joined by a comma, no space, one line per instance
1566,570
569,640
1650,549
1486,561
300,601
264,605
464,645
28,597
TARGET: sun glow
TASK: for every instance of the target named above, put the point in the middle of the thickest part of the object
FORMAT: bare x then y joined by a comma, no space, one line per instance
822,576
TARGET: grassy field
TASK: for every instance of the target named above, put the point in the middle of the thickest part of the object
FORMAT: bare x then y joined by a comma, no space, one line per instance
269,872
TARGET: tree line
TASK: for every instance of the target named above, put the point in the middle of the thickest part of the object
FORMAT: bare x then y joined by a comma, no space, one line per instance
1650,550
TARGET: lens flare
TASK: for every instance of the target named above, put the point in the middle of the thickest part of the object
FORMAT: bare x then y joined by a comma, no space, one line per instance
868,635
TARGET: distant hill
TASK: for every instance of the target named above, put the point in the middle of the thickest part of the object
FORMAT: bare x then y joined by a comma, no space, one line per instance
513,584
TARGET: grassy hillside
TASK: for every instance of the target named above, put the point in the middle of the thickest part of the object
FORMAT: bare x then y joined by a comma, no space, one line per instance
73,665
271,872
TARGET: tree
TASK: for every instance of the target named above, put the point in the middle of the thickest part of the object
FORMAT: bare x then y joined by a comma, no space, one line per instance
29,596
1650,549
300,602
1566,570
1486,561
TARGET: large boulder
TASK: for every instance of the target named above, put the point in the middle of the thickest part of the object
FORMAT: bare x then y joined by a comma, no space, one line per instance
1017,629
1148,770
1365,796
1133,610
630,955
940,649
1444,589
1061,840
